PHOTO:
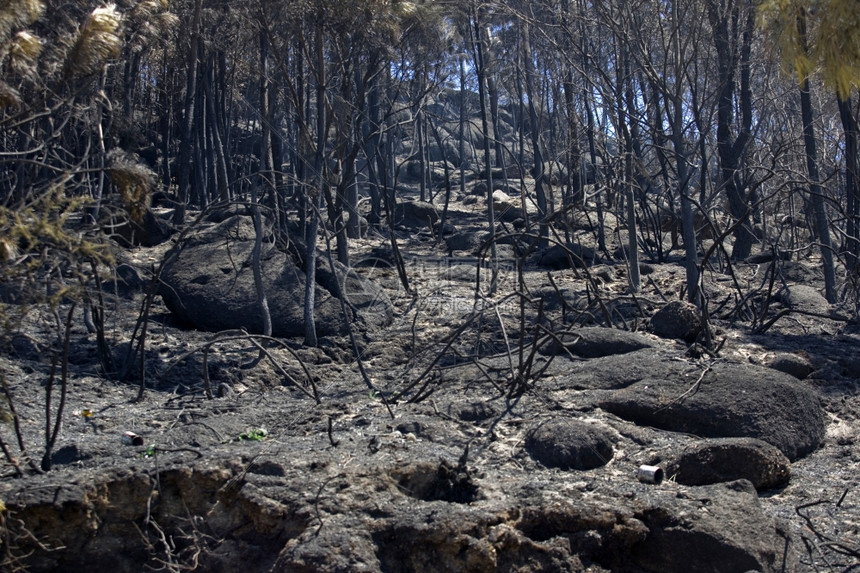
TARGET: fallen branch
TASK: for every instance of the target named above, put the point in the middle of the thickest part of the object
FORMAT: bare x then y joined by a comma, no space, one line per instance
231,335
690,391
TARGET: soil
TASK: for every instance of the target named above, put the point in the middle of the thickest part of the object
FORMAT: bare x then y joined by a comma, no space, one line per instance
416,400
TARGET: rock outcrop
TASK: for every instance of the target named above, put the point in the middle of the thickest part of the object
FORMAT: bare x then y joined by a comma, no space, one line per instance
595,342
264,512
415,214
727,400
208,283
568,443
729,459
678,319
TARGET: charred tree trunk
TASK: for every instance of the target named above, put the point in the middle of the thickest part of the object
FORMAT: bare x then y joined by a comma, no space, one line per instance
852,190
822,226
733,50
316,195
485,128
186,143
537,144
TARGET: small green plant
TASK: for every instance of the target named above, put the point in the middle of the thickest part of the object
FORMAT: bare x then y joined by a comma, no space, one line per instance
149,452
257,435
392,397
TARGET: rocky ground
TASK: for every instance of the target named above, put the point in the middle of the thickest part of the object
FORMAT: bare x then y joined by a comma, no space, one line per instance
501,432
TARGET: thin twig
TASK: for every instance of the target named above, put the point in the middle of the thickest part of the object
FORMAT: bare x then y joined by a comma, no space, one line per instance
692,390
317,504
231,335
334,443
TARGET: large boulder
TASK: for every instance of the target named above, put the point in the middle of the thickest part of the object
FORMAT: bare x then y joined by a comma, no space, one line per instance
558,257
803,298
415,214
618,371
714,529
798,365
726,400
208,283
594,342
505,207
447,152
678,319
567,443
728,459
469,241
